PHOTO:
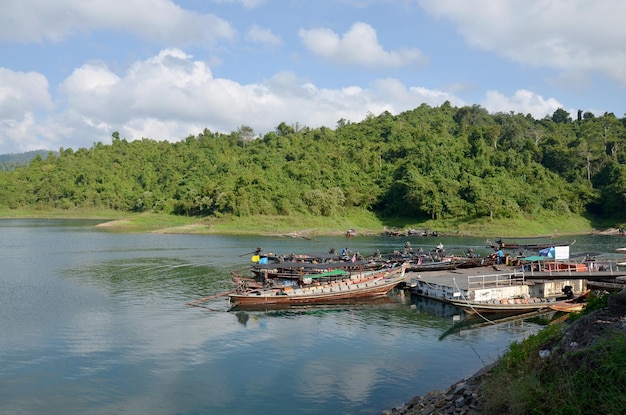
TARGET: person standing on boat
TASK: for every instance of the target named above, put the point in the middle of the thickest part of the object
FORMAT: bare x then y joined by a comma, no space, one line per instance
500,255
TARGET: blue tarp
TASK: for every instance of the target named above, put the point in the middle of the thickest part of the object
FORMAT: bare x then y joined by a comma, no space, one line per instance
549,252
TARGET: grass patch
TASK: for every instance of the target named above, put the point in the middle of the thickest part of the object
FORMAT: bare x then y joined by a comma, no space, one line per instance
363,221
513,227
61,214
587,380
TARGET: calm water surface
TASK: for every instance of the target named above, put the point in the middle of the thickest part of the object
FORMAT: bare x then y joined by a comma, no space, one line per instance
94,321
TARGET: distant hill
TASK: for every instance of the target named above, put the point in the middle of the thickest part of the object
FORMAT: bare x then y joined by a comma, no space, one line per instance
10,161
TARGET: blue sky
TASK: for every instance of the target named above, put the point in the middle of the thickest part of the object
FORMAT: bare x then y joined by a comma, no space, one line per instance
72,72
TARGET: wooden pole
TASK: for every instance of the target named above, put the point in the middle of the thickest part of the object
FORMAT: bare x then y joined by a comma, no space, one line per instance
211,297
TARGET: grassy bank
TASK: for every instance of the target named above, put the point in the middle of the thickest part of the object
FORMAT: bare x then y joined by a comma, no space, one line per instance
364,222
577,367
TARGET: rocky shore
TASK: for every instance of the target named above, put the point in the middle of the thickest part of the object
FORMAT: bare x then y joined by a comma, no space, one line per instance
462,398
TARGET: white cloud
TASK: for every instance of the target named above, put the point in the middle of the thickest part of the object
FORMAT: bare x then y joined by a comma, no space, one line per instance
21,92
156,20
248,4
170,96
257,34
358,46
21,96
523,101
572,35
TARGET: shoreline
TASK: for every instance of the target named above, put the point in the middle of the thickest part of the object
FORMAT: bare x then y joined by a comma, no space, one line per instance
462,397
286,226
309,234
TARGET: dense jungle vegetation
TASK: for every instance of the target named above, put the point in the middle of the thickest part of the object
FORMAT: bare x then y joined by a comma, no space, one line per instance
427,163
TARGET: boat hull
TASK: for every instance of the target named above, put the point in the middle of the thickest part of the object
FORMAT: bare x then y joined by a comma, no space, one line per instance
482,308
568,307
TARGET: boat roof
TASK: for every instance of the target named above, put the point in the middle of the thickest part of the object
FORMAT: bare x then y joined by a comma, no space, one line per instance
535,258
311,265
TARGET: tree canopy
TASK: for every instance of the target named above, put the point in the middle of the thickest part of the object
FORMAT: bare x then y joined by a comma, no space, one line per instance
430,162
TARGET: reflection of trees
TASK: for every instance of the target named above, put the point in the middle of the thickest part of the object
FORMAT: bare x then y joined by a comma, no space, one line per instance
242,318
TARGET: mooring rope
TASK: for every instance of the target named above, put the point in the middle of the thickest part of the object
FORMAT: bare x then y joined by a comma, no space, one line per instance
470,305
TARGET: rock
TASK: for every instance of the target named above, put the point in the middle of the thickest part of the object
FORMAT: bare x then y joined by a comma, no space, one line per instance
459,402
459,387
617,303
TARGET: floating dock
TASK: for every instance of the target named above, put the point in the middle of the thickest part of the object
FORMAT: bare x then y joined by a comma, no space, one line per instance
502,284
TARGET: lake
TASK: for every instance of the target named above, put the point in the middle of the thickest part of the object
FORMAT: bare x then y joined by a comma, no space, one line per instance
96,321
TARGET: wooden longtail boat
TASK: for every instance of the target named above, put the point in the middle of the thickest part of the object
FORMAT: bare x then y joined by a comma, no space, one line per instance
532,244
368,284
568,307
296,270
432,266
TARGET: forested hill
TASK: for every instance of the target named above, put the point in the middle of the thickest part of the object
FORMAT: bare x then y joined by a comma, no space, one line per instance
11,161
441,162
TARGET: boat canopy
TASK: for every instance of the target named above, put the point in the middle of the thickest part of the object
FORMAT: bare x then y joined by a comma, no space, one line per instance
535,258
312,265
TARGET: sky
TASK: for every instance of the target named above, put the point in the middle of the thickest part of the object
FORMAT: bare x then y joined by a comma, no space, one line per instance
73,72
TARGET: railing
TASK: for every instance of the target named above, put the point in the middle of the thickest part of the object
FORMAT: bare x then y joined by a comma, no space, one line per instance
475,282
577,268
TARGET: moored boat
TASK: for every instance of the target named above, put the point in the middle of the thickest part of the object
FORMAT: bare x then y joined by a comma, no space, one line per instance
499,292
531,244
568,306
432,266
518,305
342,286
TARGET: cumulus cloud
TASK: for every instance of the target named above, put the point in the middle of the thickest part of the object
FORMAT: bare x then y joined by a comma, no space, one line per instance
23,91
170,96
358,46
575,35
523,101
157,20
257,34
22,94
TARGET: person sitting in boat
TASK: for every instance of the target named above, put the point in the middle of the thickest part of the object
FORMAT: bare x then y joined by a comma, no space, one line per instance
440,247
344,253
